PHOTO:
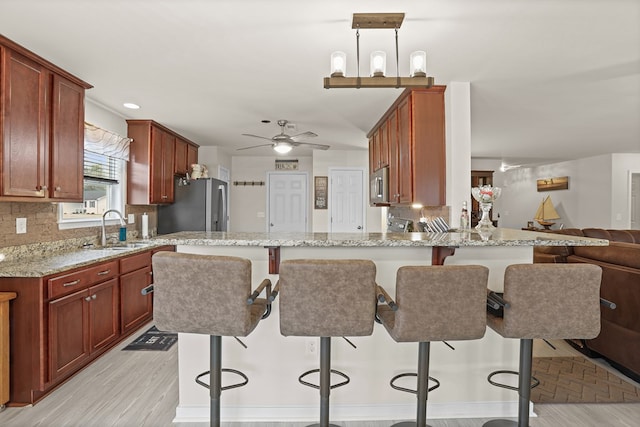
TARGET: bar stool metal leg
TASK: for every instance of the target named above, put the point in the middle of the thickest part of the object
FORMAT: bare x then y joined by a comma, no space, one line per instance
422,391
524,388
325,380
524,381
423,382
215,385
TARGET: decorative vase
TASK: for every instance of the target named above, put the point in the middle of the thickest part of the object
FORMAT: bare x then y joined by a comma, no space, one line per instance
485,222
485,195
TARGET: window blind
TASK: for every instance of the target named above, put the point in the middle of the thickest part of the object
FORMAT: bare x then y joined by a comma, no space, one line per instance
98,167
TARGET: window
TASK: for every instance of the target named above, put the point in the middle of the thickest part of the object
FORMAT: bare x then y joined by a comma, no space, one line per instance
104,180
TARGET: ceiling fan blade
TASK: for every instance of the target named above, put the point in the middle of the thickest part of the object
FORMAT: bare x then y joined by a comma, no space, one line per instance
257,136
316,146
254,146
301,136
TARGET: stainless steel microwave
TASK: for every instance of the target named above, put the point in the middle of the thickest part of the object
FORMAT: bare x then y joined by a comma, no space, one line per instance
379,187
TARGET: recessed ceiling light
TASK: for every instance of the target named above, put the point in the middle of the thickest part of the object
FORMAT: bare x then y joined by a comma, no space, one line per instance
131,105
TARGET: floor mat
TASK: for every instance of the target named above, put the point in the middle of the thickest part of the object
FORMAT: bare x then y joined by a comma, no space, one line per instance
578,380
153,339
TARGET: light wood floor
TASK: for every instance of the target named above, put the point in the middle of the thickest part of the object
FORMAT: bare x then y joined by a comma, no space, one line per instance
139,388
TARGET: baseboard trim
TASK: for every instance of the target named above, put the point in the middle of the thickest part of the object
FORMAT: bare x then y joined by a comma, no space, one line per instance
193,414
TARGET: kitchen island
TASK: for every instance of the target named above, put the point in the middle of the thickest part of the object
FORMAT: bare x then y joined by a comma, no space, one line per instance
273,362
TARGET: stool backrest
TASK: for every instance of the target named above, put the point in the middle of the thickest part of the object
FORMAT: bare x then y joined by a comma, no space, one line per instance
552,301
440,303
327,298
202,294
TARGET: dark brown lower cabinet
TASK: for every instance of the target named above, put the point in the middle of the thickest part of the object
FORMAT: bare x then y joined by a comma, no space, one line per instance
136,308
80,325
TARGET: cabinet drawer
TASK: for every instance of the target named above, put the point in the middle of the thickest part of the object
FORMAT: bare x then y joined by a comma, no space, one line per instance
135,262
81,279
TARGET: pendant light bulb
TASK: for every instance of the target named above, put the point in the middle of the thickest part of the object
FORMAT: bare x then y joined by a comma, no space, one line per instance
378,63
418,64
282,147
338,64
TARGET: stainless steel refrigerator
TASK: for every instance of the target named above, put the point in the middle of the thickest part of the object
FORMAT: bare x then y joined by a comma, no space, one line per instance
199,205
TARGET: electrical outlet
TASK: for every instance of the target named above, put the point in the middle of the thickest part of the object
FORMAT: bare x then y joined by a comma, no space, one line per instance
311,347
131,218
21,225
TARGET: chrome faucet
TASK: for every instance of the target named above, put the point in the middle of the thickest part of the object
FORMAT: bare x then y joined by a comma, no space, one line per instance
104,231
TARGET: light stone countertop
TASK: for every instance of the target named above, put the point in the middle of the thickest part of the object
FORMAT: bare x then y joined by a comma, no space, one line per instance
499,237
53,262
46,263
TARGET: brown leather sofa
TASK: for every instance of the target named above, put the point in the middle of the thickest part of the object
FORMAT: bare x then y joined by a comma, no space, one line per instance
619,339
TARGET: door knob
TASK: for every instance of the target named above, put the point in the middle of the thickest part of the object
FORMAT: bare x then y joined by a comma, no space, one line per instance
359,227
271,225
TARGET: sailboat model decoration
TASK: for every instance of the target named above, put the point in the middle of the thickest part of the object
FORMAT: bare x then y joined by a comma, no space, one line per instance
545,213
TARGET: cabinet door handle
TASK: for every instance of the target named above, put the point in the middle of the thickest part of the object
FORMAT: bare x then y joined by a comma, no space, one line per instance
165,197
87,299
58,188
102,273
75,282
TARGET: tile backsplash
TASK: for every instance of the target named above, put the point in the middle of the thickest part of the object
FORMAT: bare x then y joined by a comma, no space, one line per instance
414,214
42,225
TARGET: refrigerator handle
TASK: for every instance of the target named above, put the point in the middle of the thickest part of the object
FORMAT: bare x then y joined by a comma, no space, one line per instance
224,207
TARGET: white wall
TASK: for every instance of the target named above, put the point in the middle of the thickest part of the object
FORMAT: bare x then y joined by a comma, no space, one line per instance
322,161
598,194
248,204
213,157
104,118
458,137
623,166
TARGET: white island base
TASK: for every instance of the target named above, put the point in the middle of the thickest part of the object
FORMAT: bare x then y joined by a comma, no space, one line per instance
273,362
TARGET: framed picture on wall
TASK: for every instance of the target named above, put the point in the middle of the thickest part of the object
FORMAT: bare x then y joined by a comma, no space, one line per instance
320,187
550,184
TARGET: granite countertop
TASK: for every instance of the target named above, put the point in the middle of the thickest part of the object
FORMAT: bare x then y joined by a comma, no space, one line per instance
499,237
44,263
52,262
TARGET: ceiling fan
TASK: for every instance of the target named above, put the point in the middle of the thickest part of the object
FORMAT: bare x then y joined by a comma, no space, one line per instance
283,143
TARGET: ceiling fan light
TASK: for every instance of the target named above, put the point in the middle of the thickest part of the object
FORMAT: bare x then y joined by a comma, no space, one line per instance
418,64
338,64
378,64
282,147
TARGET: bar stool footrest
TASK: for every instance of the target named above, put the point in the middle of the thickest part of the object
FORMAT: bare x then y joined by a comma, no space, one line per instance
233,371
534,381
407,424
408,390
317,387
500,423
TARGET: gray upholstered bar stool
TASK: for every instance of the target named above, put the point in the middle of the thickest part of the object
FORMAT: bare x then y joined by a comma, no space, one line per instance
210,295
546,301
326,298
433,303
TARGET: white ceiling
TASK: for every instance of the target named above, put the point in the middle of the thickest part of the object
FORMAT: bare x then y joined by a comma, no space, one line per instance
550,79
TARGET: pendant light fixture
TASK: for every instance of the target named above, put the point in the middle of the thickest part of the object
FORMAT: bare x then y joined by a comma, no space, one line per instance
417,60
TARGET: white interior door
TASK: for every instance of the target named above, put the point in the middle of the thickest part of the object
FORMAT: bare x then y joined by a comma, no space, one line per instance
346,200
288,202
